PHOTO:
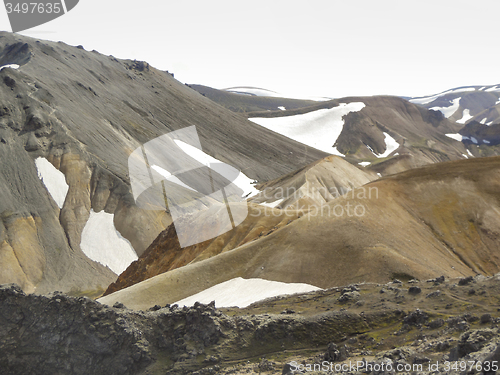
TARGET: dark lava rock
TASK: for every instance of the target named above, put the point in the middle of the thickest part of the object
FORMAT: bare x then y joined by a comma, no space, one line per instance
416,318
349,296
465,280
435,294
486,318
436,323
414,290
335,354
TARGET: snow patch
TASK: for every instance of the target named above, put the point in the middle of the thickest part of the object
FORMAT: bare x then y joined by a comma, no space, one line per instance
485,141
474,140
465,117
272,204
243,292
319,129
13,66
365,163
456,136
449,111
282,108
390,146
242,181
171,178
483,121
102,243
379,174
53,179
470,154
494,88
465,156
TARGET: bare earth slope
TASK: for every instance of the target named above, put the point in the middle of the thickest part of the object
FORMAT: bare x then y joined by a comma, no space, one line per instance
314,184
442,219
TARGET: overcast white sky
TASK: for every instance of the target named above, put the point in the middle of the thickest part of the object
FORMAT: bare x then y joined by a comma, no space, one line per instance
320,47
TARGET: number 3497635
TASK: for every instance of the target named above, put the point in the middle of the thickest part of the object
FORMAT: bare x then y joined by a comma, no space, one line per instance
33,8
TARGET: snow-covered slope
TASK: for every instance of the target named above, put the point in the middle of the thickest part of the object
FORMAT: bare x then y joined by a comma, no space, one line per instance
53,179
466,104
243,292
319,129
104,244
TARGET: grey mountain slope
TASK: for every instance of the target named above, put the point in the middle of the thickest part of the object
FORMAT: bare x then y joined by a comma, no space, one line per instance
86,112
480,103
250,103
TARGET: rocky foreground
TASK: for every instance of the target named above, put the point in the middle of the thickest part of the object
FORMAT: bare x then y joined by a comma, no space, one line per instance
415,327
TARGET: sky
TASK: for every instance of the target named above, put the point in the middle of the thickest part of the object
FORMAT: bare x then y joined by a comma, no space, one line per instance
328,48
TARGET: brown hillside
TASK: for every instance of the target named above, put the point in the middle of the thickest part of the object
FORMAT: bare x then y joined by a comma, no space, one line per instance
443,219
312,185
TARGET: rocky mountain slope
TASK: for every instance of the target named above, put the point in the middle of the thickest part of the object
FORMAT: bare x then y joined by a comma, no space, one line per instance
442,219
84,113
410,325
243,103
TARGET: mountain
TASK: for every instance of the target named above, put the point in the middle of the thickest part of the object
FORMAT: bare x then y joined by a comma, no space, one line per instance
441,219
69,119
385,134
466,104
293,195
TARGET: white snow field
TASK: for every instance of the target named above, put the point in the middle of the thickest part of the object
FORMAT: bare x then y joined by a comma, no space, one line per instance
466,117
13,66
319,129
242,181
365,163
53,179
449,111
456,136
390,146
102,243
243,292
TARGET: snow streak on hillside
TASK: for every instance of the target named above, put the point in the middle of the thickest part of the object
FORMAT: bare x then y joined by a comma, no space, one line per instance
53,179
102,243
